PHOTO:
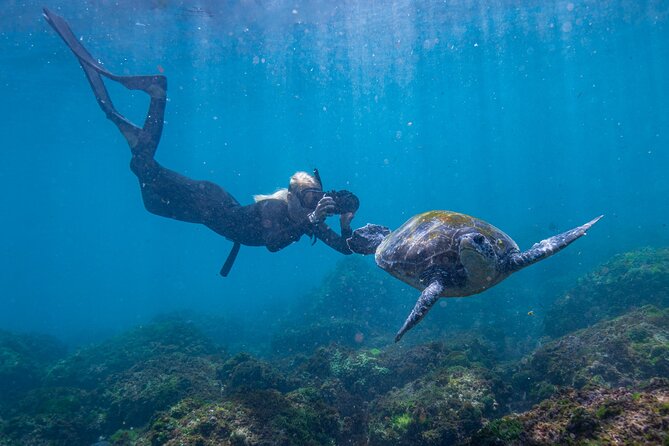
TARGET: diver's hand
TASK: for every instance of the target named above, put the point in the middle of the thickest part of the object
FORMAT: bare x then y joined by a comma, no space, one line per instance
324,208
345,220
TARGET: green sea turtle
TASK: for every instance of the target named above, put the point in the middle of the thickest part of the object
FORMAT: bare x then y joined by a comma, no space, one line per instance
447,254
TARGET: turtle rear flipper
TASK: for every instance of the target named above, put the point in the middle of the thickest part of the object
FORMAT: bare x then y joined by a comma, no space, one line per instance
548,247
427,299
365,240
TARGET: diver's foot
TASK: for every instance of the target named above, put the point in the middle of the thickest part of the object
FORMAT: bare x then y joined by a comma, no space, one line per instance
155,86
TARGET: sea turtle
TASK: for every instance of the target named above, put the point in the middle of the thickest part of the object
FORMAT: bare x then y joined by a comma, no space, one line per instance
447,254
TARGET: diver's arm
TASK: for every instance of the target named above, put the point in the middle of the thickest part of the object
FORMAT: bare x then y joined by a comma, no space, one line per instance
332,239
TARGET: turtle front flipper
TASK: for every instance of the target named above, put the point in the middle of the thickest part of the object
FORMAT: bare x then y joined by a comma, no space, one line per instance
548,247
426,300
365,240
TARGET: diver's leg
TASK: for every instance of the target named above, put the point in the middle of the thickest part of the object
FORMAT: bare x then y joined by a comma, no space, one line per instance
165,193
169,194
145,139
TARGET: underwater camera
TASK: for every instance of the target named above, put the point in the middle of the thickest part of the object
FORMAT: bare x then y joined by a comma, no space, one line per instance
345,201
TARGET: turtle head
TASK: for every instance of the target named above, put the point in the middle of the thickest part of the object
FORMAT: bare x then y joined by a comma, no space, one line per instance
479,259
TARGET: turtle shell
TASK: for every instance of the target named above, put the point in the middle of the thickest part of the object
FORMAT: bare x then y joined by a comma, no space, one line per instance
431,241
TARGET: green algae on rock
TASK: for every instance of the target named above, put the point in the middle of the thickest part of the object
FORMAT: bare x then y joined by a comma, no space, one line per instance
261,417
373,372
120,383
23,360
243,372
88,366
594,416
167,383
627,281
443,407
58,416
624,351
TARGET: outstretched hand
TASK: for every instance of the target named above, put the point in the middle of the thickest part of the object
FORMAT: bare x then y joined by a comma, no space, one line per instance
345,220
324,208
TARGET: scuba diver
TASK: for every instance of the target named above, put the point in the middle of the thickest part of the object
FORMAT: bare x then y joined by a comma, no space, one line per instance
274,221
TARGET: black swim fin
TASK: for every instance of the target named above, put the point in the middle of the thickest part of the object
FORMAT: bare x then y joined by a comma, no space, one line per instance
155,85
144,83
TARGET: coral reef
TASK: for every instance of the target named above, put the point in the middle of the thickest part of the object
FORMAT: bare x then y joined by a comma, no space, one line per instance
627,281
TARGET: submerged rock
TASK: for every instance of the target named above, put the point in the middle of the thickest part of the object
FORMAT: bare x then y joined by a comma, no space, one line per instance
627,281
243,373
622,352
443,407
594,416
58,416
120,383
23,362
90,366
264,417
338,379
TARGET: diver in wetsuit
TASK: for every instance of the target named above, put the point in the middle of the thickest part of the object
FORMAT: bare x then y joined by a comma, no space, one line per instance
274,221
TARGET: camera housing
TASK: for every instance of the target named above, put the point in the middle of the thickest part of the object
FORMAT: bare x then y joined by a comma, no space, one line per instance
345,201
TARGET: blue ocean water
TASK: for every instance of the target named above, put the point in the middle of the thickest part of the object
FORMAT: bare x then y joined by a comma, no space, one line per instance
533,116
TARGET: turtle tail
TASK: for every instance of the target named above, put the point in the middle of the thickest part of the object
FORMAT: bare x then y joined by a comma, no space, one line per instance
548,247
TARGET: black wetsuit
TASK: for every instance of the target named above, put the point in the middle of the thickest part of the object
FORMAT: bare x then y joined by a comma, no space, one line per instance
264,223
169,194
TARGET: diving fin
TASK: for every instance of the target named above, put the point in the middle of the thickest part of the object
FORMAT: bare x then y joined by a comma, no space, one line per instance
155,86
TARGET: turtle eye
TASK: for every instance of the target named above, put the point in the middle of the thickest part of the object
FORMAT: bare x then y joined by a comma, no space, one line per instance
478,238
